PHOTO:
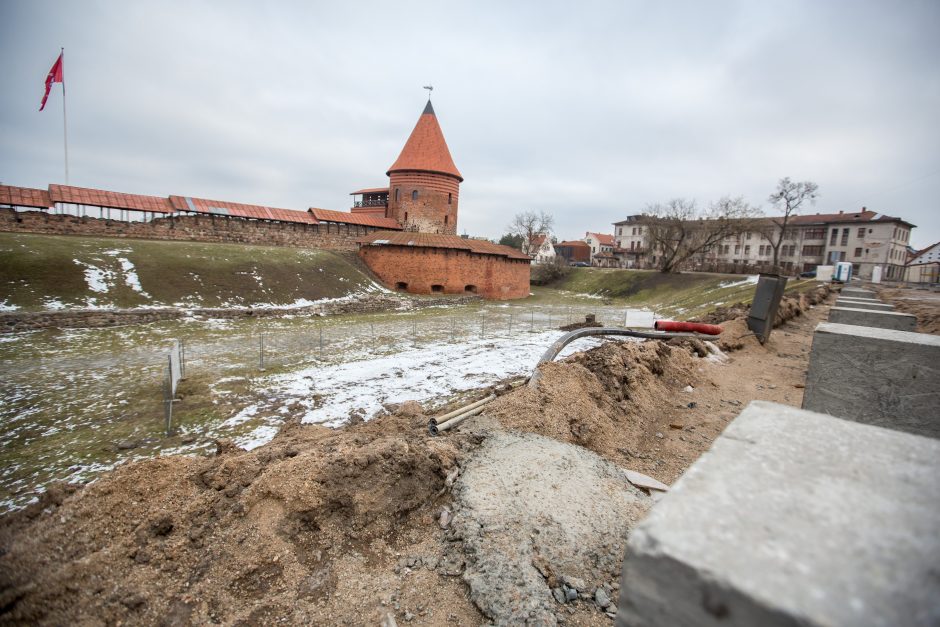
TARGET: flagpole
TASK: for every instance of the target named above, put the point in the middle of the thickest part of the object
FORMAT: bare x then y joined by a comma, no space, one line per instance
65,128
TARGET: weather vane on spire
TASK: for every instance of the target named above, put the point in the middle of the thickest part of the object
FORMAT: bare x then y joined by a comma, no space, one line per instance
430,88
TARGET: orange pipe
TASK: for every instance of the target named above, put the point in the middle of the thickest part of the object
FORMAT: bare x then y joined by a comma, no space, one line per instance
691,327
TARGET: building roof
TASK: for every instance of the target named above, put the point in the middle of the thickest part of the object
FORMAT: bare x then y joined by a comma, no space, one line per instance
434,240
576,242
537,240
24,197
240,210
605,240
370,190
426,150
362,219
917,253
104,198
630,219
842,217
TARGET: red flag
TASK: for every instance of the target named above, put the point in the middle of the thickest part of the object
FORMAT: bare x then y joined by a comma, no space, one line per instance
54,76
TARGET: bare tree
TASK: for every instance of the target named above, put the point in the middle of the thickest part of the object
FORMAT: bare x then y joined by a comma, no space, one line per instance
788,198
528,224
676,230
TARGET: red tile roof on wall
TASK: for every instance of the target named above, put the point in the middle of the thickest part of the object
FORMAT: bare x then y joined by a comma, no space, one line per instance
370,190
576,242
537,241
426,150
327,215
24,197
104,198
240,210
434,240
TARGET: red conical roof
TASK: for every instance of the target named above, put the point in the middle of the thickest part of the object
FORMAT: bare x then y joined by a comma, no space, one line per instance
426,149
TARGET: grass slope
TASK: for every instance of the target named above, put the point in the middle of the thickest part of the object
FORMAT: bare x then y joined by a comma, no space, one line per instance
50,272
680,296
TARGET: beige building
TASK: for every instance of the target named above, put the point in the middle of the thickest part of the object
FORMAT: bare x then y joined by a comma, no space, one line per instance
865,239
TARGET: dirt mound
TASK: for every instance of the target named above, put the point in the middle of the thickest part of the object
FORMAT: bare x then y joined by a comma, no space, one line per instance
791,305
615,400
240,538
922,304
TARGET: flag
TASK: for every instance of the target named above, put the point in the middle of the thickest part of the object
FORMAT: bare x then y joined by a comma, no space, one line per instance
54,76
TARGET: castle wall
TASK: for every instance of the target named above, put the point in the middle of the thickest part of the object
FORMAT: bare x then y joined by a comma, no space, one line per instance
420,269
194,228
435,209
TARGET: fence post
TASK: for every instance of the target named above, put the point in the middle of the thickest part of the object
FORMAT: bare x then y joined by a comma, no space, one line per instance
532,322
168,395
483,326
549,318
510,323
182,359
453,327
261,352
320,328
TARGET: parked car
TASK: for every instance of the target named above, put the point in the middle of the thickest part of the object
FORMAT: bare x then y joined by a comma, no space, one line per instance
580,264
809,274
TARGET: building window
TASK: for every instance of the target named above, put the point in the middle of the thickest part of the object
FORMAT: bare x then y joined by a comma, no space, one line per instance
747,249
747,235
437,289
450,198
401,286
858,252
832,239
414,194
446,220
406,216
737,249
396,194
861,232
845,237
470,288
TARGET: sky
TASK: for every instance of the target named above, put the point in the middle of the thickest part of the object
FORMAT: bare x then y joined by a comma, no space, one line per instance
589,111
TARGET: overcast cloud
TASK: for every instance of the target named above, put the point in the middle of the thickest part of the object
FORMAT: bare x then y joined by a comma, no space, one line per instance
586,110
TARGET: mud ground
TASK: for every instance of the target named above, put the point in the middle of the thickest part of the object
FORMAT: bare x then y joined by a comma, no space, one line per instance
371,522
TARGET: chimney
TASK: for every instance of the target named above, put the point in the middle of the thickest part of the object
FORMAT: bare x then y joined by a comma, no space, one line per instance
840,212
864,209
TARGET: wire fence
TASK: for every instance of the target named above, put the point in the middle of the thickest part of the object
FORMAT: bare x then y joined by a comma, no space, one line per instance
330,341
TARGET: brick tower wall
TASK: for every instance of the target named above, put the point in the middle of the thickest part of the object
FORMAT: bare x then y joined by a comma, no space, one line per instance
435,209
492,276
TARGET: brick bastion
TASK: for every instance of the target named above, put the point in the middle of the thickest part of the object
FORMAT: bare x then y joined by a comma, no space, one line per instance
426,263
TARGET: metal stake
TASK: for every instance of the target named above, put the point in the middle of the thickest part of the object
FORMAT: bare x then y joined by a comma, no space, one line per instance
261,352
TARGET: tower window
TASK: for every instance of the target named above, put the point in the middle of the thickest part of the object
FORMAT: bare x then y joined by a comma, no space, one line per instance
445,220
406,216
396,194
450,198
414,195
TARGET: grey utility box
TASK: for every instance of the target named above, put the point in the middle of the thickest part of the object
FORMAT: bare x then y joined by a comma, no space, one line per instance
767,297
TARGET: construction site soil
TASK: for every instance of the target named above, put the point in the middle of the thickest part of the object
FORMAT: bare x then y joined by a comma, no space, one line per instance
520,515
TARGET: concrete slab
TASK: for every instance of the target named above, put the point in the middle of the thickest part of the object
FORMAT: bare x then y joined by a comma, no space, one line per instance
792,518
871,318
857,292
864,304
876,376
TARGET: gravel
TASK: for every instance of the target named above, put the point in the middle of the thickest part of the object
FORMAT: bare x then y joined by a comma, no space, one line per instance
540,521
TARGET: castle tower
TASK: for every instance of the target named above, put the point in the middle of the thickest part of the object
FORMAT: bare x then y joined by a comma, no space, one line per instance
424,183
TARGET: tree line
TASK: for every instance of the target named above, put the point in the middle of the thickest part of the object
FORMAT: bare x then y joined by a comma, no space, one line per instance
678,229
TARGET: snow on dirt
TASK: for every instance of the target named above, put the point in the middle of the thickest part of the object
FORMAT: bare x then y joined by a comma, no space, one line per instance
330,394
748,280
